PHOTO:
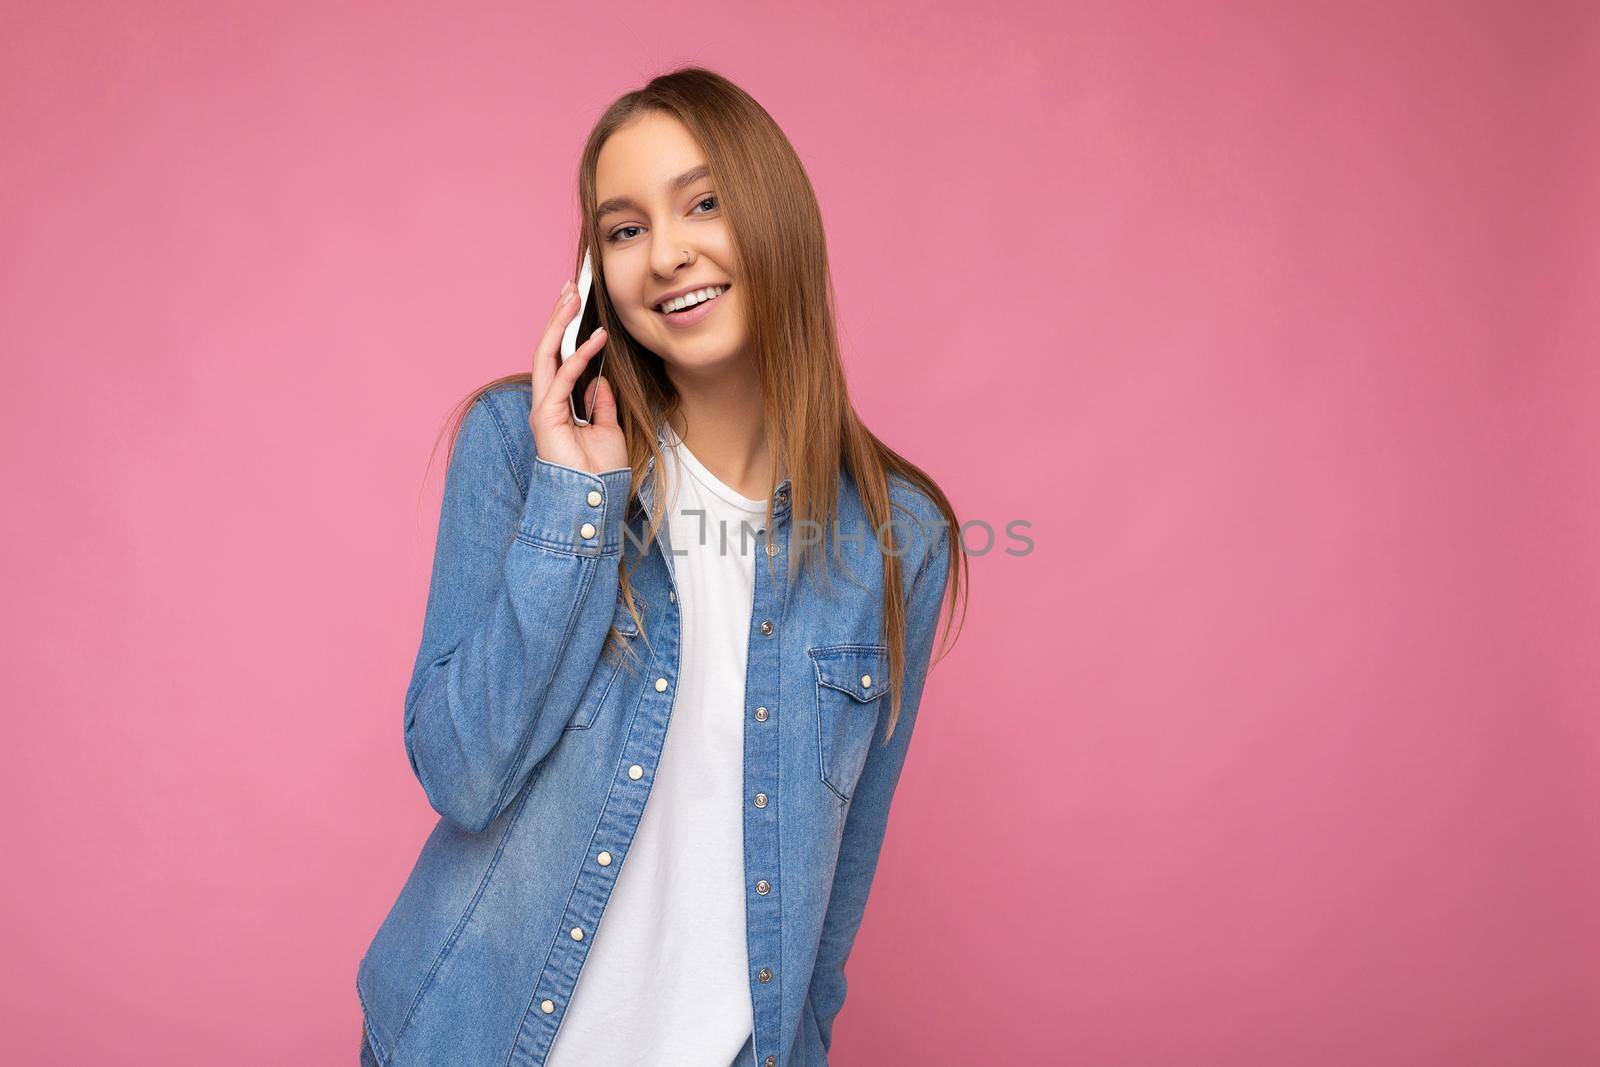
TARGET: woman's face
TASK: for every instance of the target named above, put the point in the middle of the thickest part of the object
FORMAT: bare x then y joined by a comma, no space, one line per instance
662,230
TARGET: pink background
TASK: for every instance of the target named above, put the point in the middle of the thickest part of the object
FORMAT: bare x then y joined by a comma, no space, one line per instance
1275,321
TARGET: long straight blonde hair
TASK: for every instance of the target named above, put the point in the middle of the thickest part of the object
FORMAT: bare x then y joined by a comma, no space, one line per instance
777,232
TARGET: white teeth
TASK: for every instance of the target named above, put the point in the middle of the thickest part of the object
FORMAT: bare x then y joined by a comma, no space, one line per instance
690,299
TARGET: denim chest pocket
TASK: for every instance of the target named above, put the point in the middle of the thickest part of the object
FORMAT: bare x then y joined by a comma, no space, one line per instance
606,670
851,682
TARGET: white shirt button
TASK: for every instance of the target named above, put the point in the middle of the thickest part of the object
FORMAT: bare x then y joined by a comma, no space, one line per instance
661,685
636,772
547,1006
604,859
577,933
594,498
866,681
587,529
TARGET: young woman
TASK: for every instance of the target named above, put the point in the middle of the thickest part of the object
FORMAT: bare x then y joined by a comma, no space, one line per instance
672,657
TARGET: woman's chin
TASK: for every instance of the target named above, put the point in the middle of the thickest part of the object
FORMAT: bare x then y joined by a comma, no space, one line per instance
702,357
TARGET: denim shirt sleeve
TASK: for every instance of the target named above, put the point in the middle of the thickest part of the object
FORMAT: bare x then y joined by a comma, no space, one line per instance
869,805
519,604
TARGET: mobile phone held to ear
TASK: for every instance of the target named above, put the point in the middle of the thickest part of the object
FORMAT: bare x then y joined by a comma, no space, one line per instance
582,325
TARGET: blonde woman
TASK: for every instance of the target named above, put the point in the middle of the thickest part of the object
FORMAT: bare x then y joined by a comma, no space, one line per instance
673,655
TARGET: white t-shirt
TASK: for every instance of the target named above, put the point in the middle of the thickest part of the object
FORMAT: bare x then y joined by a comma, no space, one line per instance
666,982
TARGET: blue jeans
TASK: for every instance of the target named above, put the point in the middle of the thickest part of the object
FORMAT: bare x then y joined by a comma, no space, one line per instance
367,1058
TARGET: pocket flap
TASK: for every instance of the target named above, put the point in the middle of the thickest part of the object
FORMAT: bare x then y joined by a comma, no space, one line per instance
862,671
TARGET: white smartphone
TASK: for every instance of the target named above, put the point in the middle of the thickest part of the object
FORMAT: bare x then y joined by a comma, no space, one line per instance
584,323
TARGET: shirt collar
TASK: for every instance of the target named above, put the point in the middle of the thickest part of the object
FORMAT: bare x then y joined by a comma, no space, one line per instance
780,504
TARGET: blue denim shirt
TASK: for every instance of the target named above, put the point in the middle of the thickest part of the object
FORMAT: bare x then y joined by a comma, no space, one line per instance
538,753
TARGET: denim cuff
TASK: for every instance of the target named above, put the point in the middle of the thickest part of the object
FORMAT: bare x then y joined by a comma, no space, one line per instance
574,511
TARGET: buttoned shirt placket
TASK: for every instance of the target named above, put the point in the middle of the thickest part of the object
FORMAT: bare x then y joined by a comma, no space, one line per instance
633,775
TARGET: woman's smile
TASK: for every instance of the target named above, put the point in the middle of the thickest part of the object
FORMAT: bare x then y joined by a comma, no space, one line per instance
690,316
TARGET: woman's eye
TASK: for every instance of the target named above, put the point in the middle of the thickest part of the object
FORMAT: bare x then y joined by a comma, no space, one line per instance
617,234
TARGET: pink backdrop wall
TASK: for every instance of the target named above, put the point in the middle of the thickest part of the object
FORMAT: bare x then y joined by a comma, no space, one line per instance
1275,321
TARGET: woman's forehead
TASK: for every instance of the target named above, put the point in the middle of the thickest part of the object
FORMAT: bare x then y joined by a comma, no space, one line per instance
646,159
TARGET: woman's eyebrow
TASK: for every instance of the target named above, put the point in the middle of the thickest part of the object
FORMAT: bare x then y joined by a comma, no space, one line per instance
623,203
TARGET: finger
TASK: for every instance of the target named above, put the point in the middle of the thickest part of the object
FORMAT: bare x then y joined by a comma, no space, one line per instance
603,403
547,353
554,407
588,399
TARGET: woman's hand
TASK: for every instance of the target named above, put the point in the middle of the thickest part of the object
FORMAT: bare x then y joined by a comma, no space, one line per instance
598,447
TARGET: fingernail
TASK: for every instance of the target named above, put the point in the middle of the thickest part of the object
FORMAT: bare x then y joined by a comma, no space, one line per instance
566,287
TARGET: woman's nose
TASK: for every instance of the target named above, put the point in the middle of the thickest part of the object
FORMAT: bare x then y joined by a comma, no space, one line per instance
670,251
